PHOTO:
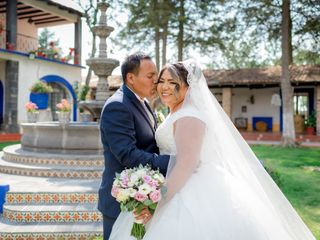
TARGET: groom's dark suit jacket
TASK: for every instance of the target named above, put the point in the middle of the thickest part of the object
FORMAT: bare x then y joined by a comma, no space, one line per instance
127,136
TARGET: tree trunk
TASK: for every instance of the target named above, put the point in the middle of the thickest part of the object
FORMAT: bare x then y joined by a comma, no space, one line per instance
157,46
164,44
156,33
181,30
288,135
93,53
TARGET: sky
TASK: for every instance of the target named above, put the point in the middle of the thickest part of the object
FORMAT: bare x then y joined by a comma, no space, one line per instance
65,34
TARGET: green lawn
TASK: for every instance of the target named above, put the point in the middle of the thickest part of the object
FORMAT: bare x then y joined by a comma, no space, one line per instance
300,183
4,144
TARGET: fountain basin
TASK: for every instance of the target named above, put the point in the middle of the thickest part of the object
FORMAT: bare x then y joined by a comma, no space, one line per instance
51,137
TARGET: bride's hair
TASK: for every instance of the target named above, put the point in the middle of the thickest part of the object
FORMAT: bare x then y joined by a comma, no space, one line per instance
177,71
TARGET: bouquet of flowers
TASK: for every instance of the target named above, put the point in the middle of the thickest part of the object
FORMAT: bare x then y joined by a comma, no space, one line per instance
31,107
64,106
136,189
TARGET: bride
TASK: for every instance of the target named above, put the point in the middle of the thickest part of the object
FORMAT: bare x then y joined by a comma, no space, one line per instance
216,187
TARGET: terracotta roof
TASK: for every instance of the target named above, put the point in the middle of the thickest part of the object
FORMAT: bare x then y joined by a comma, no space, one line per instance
245,76
268,75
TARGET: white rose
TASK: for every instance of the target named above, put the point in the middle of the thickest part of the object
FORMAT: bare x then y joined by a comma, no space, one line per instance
141,172
131,192
145,189
122,195
134,178
158,177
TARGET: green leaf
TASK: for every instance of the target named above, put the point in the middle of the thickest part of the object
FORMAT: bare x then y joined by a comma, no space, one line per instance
147,202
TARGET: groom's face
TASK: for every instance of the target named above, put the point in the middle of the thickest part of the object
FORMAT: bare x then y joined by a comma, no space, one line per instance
143,82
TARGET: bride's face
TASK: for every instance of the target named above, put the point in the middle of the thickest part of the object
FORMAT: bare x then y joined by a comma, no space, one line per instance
171,91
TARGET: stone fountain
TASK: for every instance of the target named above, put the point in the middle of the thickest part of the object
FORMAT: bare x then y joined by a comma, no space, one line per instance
54,174
101,65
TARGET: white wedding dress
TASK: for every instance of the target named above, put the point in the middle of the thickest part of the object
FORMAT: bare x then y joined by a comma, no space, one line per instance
221,191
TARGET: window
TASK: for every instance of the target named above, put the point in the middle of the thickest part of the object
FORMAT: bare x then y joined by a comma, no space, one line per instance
59,92
300,104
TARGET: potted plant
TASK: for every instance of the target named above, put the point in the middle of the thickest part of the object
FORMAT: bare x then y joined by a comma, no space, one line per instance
32,112
32,55
310,123
82,92
40,94
64,109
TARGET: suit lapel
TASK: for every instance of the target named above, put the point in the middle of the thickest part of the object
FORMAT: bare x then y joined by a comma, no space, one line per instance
137,104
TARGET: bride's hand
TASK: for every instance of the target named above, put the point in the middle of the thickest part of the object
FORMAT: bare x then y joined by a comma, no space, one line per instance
143,217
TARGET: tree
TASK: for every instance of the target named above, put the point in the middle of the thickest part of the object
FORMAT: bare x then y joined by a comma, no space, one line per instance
286,88
46,37
174,24
48,45
294,24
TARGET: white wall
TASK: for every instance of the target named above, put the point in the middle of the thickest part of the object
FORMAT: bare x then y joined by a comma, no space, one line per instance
27,39
27,35
31,71
260,108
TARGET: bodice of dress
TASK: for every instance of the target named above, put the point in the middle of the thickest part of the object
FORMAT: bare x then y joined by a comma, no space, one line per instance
165,138
165,132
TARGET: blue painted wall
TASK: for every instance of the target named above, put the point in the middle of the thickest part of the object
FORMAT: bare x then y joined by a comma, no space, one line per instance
64,82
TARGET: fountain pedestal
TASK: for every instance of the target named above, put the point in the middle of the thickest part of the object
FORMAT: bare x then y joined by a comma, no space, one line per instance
101,65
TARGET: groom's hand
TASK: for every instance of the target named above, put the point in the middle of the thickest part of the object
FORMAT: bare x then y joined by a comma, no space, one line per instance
144,216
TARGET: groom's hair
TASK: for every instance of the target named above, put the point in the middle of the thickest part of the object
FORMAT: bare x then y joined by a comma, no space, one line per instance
132,64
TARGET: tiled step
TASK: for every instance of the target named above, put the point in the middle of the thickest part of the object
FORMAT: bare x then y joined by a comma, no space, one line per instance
29,198
14,153
52,231
23,184
50,171
51,213
42,208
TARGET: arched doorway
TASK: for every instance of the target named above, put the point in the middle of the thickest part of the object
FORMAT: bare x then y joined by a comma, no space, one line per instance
61,89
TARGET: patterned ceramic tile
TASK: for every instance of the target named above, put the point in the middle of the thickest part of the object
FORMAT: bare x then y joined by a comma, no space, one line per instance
10,157
51,198
51,216
84,174
50,236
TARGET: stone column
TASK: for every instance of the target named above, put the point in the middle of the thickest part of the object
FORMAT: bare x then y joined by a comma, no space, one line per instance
77,40
318,110
226,100
11,23
11,97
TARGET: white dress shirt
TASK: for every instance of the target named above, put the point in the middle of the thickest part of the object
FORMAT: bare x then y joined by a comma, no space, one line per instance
143,103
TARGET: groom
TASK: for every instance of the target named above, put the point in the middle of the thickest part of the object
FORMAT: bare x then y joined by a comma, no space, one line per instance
127,128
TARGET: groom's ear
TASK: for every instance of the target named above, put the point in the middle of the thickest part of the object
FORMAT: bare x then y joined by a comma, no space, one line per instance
130,78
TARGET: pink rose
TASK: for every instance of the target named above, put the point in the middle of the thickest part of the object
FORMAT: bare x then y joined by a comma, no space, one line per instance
114,192
146,179
155,196
140,197
154,183
59,105
124,181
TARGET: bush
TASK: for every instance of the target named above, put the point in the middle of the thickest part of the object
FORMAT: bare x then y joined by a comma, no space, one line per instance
41,87
311,121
